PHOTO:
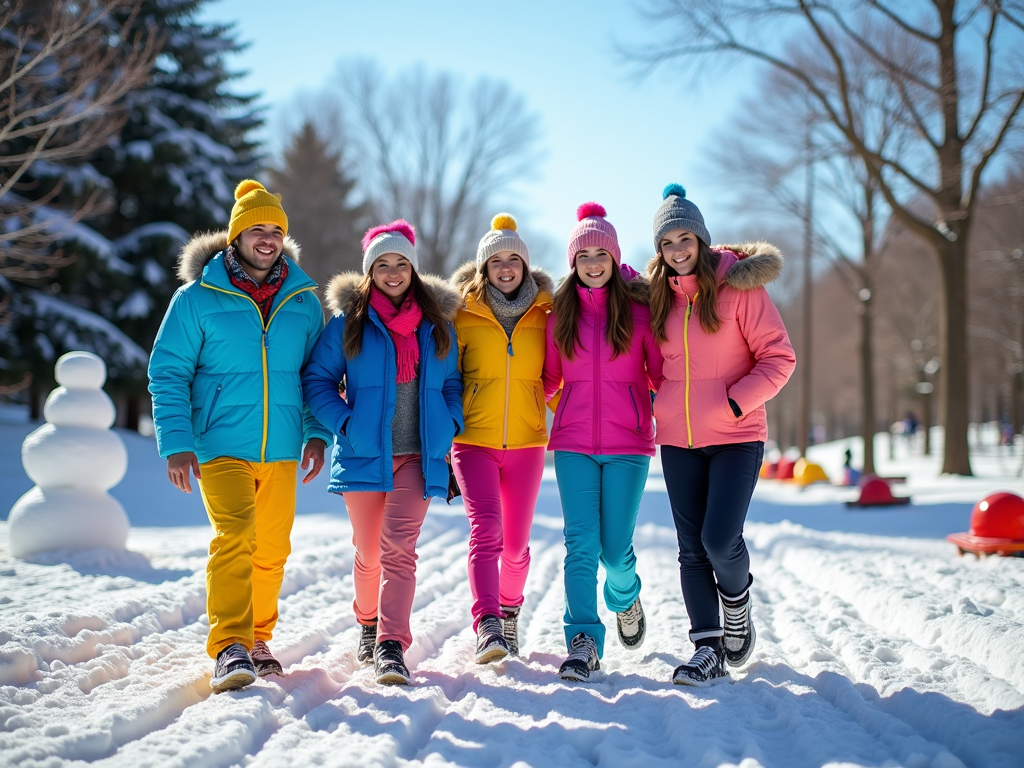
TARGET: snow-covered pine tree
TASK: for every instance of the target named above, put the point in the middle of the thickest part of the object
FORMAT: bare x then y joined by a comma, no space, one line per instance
316,190
170,171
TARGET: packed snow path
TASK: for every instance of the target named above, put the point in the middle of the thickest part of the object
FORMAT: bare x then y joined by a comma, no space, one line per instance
871,651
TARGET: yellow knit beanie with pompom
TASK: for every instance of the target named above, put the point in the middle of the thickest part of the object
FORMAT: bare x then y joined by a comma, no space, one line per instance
254,205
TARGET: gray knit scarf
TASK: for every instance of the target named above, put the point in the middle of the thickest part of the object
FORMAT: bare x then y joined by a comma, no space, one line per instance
508,311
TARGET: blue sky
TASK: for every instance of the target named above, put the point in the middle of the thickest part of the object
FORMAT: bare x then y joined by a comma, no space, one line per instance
606,135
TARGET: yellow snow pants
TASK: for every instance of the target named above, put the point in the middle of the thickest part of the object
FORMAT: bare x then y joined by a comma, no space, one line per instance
251,506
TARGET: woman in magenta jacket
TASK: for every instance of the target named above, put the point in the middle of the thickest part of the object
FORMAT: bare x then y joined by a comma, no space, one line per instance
604,361
726,352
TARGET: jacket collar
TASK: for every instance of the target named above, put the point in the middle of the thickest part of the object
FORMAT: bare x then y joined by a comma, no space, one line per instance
215,275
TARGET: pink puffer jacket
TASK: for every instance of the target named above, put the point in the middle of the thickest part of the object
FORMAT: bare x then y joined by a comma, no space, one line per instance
749,359
605,405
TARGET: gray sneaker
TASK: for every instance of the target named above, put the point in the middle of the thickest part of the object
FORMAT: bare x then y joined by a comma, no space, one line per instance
510,627
632,626
233,669
582,659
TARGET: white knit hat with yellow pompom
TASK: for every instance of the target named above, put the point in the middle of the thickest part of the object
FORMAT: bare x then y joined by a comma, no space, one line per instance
502,237
254,205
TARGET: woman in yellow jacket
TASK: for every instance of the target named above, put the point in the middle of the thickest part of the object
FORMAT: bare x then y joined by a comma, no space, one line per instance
498,458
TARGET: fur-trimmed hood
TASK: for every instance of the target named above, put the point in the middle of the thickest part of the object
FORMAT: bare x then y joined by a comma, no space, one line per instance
203,246
759,263
462,277
342,290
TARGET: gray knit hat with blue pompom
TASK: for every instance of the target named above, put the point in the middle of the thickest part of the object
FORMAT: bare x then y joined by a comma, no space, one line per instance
676,212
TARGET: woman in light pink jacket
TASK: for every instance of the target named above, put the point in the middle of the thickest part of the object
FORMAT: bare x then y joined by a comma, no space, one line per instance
726,352
603,359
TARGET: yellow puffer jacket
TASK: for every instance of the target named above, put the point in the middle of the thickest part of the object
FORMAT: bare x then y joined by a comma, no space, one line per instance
502,393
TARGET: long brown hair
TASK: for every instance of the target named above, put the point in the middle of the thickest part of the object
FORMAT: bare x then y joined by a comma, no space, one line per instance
566,306
707,288
359,311
476,288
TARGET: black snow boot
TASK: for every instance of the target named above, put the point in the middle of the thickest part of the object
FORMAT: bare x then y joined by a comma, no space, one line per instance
510,627
490,640
367,642
632,626
706,665
582,659
389,663
739,626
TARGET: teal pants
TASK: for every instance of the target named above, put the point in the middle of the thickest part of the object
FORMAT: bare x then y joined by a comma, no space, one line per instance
600,498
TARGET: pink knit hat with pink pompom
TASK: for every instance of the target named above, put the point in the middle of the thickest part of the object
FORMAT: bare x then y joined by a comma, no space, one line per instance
397,237
593,231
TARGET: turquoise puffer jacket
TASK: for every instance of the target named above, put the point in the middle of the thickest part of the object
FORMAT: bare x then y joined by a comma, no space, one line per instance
222,384
362,458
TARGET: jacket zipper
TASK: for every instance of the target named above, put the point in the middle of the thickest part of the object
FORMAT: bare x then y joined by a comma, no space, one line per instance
686,347
508,378
472,397
265,346
636,411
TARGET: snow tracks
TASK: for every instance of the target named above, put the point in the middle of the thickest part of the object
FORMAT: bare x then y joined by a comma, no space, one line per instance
871,651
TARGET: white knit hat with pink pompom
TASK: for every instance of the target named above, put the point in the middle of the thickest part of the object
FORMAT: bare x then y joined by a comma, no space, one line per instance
593,231
397,237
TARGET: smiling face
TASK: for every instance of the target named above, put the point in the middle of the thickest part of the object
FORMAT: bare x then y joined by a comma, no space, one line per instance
392,274
505,271
258,249
679,249
594,266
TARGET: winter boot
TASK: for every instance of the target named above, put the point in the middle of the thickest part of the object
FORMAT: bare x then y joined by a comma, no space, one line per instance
367,642
632,626
389,663
739,626
510,627
490,641
263,660
582,659
705,667
233,669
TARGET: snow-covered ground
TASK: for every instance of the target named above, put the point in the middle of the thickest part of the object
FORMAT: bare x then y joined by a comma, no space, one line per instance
877,645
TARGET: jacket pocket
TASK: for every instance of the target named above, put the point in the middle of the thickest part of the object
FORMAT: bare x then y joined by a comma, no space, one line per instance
563,406
636,410
213,398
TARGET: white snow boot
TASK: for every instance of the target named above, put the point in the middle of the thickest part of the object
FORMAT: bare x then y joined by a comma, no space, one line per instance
739,626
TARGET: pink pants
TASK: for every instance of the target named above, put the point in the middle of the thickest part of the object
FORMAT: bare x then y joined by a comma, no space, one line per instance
499,489
385,527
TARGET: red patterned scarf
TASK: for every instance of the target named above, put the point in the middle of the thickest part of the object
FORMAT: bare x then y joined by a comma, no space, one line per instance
402,322
262,293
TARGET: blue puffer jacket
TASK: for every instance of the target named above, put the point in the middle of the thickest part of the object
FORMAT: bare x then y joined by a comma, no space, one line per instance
221,384
362,458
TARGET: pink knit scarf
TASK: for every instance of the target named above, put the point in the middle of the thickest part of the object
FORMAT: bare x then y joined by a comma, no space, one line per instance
402,322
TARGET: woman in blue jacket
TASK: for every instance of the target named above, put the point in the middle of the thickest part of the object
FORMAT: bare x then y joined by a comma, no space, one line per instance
385,377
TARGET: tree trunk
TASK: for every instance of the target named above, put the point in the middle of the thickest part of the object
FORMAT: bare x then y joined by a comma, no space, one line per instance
867,384
953,344
131,416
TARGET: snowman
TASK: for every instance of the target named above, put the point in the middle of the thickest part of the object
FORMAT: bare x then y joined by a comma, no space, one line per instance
74,459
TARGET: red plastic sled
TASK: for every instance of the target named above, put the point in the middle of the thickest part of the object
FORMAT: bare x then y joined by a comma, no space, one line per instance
875,492
997,527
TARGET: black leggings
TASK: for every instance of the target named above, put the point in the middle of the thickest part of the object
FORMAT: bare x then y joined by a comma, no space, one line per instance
709,490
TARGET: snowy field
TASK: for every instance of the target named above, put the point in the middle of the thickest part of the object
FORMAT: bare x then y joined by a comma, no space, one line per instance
877,645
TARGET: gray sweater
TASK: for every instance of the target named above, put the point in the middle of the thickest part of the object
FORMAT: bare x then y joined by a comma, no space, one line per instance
405,427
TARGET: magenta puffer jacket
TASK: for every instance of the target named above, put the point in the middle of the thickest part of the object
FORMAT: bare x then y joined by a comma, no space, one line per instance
605,404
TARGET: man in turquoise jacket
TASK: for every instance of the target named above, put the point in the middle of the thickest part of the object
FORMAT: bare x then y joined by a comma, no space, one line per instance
227,404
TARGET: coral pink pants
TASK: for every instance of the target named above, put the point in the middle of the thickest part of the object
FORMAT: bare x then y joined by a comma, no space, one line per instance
499,488
385,527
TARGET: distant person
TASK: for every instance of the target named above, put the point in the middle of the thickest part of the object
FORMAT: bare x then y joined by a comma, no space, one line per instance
726,353
227,405
910,427
602,362
391,346
851,475
499,457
